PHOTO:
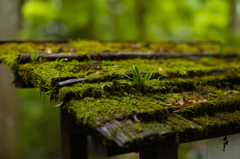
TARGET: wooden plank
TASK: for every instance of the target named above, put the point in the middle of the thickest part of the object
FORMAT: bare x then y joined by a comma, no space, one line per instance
25,58
167,152
99,147
103,147
31,41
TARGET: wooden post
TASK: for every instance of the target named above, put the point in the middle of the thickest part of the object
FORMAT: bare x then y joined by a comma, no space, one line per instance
168,152
74,146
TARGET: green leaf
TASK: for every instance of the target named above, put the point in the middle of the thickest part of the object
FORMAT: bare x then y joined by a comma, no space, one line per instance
129,77
48,92
58,104
150,75
36,55
32,57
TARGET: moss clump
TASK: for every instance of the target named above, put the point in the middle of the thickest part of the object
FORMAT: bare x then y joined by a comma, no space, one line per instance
150,106
94,71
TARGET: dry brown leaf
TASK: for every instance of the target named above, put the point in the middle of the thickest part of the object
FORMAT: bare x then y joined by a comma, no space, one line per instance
49,50
196,101
135,46
231,91
136,119
203,100
192,101
160,69
176,111
116,66
182,102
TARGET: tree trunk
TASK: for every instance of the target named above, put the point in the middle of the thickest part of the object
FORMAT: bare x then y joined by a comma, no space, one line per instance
9,14
141,9
233,22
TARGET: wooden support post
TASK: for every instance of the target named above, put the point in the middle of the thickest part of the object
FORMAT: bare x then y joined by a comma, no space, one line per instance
74,146
107,149
168,152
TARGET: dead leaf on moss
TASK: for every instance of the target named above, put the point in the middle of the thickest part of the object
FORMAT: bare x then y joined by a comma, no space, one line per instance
176,111
49,50
135,46
231,91
160,69
162,49
136,119
116,66
197,101
182,102
57,75
192,101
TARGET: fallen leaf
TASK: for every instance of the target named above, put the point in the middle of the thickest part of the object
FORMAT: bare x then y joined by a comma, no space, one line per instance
176,111
203,100
182,102
162,49
160,69
49,50
136,119
116,66
231,91
135,46
192,101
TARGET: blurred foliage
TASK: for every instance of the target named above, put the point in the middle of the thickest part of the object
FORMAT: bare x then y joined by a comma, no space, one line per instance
39,126
128,20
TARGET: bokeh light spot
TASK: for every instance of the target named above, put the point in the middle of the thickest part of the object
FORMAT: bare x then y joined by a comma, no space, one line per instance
52,27
62,29
56,5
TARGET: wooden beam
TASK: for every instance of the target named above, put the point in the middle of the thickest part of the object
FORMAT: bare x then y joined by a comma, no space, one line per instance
167,152
20,84
25,58
99,147
30,41
74,144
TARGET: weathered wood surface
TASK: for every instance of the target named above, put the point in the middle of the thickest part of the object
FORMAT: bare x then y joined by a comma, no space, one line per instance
25,58
30,41
73,136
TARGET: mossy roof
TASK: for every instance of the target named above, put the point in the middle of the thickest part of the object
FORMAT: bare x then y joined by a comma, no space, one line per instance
191,95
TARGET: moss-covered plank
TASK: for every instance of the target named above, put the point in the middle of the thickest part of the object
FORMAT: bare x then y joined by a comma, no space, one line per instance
128,131
53,72
185,97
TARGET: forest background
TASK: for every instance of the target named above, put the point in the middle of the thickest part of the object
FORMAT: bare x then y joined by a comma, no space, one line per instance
29,126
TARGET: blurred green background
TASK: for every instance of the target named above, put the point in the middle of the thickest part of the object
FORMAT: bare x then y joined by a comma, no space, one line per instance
29,125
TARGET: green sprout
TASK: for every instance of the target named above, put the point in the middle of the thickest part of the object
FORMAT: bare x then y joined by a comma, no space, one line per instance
138,77
34,57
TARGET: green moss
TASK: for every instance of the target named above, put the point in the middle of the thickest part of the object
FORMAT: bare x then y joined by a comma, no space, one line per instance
189,99
54,72
219,121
